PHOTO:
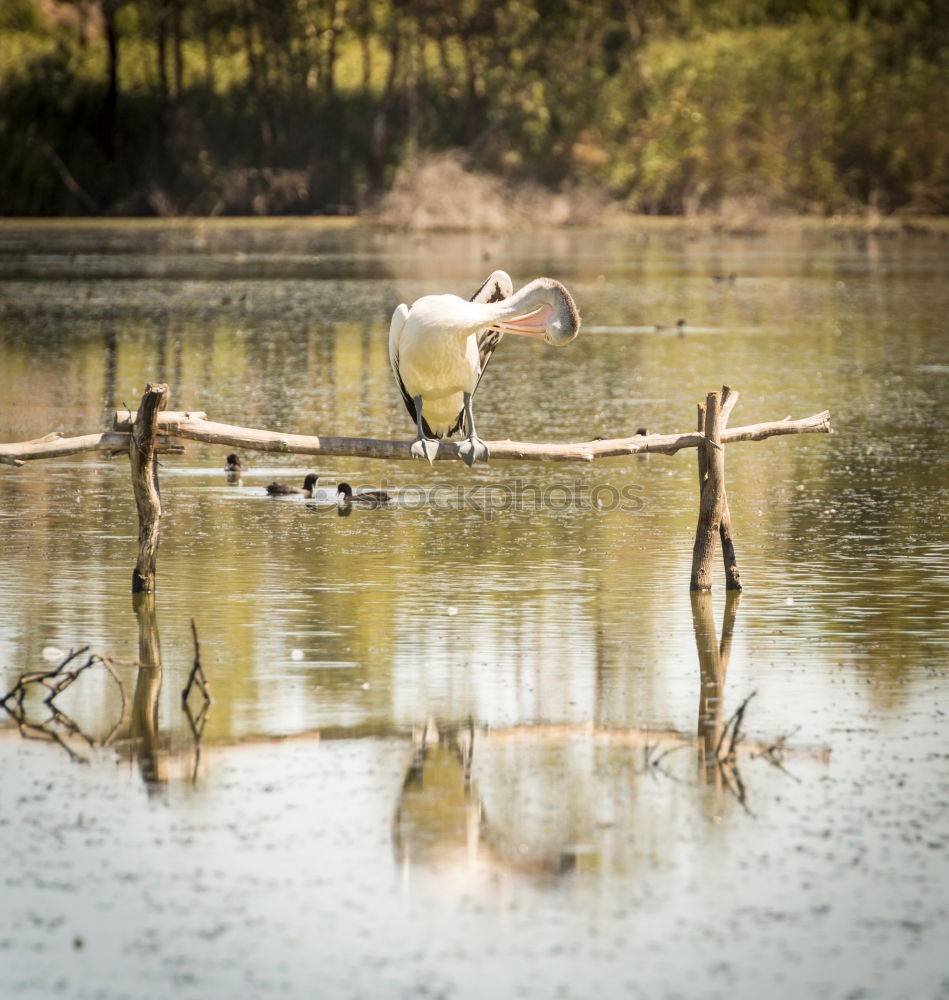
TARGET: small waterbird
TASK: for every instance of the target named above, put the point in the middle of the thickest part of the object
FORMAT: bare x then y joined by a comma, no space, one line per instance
282,490
233,464
370,498
440,347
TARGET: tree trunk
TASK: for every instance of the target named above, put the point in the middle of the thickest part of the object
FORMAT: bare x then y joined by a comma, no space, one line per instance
111,103
379,141
178,60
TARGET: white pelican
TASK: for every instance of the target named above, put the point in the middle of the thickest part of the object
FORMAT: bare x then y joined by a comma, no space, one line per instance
440,347
282,490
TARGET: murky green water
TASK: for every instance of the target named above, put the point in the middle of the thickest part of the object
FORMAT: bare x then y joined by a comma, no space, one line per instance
451,749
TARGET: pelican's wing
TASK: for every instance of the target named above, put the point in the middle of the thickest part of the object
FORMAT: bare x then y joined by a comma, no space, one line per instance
496,287
395,334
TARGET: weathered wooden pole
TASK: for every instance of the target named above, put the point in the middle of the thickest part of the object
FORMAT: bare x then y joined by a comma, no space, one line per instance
732,576
145,485
714,514
712,499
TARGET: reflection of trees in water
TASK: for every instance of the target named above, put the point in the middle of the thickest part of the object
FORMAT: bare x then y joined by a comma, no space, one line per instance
543,800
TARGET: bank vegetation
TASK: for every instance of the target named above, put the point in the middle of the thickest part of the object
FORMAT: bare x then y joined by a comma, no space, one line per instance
469,112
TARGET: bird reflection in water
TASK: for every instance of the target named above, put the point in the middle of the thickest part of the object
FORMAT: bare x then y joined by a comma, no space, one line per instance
441,821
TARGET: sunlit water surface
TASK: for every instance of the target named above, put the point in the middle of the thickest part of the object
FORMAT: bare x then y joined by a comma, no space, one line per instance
452,749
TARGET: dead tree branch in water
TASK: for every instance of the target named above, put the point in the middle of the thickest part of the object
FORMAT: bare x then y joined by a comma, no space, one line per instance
732,732
199,721
197,675
56,681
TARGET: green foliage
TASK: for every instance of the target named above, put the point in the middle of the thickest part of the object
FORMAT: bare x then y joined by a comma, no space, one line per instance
309,106
812,117
19,15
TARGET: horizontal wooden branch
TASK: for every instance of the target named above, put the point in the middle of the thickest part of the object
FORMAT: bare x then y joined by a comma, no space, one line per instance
56,446
123,420
232,435
191,425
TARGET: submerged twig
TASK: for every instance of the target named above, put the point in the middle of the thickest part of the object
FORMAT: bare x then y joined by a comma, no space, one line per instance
773,754
56,681
197,723
732,730
197,675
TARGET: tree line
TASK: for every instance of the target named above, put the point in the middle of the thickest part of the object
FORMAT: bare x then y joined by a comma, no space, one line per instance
309,106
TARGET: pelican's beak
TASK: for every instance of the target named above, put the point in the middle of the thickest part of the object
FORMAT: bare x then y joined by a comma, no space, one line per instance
544,323
532,324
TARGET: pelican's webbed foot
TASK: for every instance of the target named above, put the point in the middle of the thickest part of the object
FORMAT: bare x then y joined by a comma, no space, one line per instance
424,447
472,450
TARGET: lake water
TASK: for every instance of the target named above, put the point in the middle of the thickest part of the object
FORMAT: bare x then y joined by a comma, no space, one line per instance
466,746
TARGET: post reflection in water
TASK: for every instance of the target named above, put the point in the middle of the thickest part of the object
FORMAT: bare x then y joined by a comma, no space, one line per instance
144,737
713,656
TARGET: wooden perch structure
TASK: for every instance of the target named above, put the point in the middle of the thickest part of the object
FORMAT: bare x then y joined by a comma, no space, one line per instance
195,427
151,430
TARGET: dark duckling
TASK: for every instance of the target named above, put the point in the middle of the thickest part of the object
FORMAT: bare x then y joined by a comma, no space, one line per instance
371,498
282,490
233,464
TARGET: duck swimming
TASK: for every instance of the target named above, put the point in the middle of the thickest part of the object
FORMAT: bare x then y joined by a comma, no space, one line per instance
233,464
282,490
370,498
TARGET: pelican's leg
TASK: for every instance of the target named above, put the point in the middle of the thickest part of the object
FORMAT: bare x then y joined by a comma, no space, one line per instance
422,446
472,449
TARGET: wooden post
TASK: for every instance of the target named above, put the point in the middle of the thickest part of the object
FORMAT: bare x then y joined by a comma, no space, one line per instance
714,513
145,485
732,576
712,470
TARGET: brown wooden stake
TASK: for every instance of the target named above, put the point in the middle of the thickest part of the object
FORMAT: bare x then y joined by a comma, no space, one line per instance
732,576
700,451
728,399
145,485
713,496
